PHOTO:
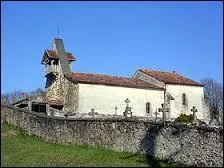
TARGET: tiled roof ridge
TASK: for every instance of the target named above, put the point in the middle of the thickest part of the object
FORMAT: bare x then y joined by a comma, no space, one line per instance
144,69
105,75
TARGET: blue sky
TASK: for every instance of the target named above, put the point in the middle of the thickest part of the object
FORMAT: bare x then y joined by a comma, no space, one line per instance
114,38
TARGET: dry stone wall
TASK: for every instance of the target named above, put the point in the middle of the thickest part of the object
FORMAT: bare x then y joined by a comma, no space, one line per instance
191,145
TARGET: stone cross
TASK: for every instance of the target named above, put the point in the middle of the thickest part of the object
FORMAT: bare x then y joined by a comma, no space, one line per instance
127,101
163,110
115,108
194,110
156,113
127,109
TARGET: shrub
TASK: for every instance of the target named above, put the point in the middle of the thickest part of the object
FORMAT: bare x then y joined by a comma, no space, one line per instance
184,118
187,119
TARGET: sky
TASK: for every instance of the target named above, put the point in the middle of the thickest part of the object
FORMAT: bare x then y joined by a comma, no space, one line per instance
112,38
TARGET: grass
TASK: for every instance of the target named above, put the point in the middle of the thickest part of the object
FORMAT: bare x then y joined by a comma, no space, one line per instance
19,149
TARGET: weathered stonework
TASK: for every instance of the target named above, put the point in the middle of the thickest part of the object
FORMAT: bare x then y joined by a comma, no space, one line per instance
191,145
65,91
55,92
71,96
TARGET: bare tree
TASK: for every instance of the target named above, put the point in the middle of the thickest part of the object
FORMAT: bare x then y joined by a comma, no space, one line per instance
37,92
213,91
12,97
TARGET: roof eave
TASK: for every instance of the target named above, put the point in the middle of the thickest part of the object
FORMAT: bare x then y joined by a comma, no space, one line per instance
184,84
42,60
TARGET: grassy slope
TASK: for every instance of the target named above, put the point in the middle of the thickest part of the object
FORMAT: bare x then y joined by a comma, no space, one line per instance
18,149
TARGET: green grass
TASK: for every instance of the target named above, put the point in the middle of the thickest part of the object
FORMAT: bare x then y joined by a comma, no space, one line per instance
19,149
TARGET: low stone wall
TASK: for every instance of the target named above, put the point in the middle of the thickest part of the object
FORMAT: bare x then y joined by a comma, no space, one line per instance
191,145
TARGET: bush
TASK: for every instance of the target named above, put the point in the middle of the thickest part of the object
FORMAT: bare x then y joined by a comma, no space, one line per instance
184,118
187,119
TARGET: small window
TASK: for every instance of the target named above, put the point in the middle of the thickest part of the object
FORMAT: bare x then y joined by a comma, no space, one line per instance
184,99
148,107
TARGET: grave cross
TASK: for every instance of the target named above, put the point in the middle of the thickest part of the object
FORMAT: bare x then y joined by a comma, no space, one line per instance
194,110
163,110
127,101
127,109
156,113
115,110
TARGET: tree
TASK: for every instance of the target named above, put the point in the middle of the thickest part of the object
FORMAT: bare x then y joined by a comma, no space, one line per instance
12,97
37,92
213,92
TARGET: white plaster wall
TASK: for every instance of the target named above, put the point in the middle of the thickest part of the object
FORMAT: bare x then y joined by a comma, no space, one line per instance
194,97
105,98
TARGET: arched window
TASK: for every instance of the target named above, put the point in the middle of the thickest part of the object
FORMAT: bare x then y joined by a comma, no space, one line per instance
148,107
184,99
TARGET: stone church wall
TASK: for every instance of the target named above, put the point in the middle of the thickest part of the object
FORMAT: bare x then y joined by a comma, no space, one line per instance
71,96
56,90
104,99
65,91
191,145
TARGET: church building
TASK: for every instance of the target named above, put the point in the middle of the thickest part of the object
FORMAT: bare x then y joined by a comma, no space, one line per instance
148,93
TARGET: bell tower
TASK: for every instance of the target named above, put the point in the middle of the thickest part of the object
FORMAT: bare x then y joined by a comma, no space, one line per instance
57,62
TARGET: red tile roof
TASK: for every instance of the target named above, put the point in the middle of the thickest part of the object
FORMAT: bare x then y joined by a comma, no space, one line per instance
111,81
170,77
53,54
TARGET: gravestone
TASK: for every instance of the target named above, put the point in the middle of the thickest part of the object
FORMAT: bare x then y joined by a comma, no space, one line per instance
93,113
127,109
194,110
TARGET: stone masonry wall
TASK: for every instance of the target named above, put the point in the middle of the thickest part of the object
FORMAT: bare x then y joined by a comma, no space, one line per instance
66,91
56,90
191,145
71,96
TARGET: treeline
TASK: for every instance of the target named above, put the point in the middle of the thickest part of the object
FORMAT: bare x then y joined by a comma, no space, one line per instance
14,96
